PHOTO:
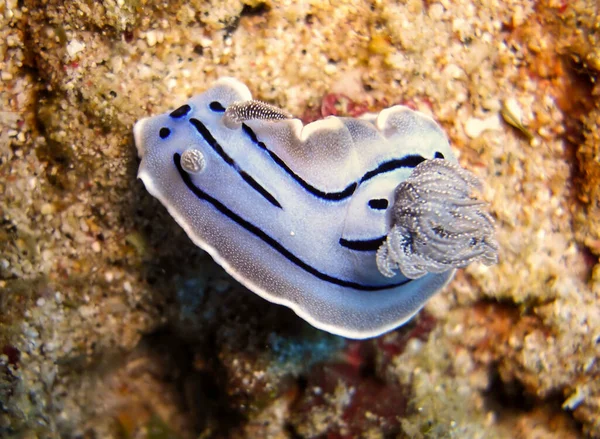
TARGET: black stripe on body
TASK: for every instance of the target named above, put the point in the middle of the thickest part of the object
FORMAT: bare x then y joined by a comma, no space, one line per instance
252,182
363,245
332,196
205,133
409,161
270,241
208,137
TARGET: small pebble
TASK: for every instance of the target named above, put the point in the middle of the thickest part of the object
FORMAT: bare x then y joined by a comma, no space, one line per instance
330,69
151,38
127,287
74,47
48,209
475,127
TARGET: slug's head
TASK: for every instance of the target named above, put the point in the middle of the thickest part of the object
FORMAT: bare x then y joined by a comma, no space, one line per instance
168,136
185,137
158,132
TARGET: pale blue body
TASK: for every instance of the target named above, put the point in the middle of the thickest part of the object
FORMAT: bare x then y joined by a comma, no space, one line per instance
282,240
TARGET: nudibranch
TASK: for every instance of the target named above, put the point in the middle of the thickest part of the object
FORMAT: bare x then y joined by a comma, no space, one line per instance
354,223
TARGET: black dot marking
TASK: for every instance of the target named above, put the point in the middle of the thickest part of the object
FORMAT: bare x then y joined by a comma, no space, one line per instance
180,112
216,106
164,133
363,245
439,155
378,204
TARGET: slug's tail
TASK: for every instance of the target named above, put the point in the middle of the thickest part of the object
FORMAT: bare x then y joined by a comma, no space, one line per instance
437,223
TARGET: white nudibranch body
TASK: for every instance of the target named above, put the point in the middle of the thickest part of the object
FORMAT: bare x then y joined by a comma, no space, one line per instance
380,212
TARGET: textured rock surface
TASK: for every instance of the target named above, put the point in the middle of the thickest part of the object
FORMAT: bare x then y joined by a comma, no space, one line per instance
112,324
